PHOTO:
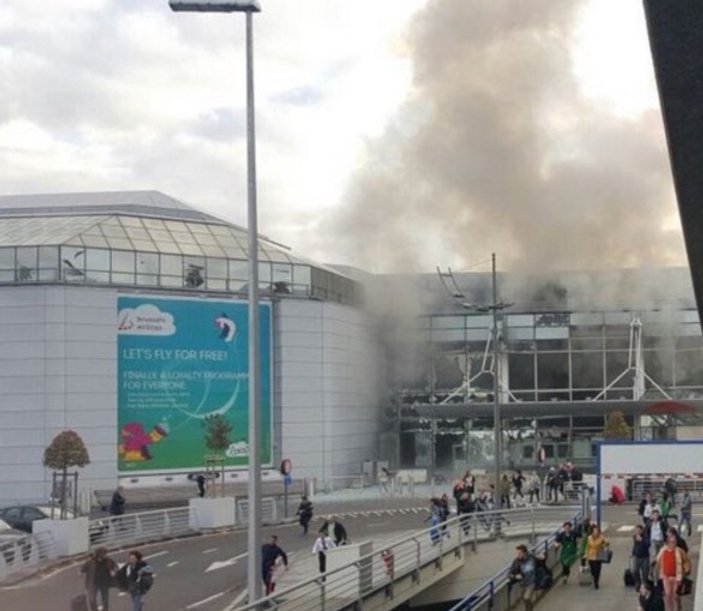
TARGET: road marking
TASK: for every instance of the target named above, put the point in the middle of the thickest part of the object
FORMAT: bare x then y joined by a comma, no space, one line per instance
155,555
240,597
122,594
205,600
220,564
700,528
626,529
170,564
353,514
210,551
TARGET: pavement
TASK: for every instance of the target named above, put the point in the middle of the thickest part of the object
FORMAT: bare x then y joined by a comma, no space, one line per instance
612,594
205,572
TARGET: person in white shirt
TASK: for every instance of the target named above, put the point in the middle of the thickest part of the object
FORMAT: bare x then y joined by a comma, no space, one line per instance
322,545
656,532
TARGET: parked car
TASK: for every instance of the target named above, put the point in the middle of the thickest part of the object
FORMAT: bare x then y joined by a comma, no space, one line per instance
21,518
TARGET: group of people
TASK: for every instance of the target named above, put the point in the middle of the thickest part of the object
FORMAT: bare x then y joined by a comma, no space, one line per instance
583,541
101,573
659,550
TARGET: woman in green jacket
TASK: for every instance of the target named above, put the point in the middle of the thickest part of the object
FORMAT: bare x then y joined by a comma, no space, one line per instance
567,544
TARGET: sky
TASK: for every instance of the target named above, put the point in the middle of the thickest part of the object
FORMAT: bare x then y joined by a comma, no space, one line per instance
396,135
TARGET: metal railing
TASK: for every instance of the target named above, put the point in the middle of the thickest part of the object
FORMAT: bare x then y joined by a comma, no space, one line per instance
347,481
136,528
404,558
25,553
487,593
656,486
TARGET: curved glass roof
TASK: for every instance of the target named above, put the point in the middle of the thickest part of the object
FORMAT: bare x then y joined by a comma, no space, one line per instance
146,238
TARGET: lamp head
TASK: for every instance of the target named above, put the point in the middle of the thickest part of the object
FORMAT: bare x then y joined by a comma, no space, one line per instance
216,6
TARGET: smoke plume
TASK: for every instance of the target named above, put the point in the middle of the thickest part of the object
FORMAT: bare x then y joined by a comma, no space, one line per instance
498,150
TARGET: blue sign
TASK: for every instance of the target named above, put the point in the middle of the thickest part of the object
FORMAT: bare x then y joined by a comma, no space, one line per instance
180,361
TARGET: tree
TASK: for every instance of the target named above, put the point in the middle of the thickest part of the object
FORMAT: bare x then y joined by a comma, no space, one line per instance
217,439
217,430
66,450
616,426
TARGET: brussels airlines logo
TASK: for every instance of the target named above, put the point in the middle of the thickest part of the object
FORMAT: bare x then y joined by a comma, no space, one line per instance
145,319
227,326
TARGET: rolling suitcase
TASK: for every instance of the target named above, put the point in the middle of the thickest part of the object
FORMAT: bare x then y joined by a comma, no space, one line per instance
629,578
79,603
585,576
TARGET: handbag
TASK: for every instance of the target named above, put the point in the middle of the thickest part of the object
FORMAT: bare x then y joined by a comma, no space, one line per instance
604,555
685,587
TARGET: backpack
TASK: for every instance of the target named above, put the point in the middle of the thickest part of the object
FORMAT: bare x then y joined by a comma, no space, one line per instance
543,577
146,580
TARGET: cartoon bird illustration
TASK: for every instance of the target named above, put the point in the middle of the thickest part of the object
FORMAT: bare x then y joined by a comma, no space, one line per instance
136,441
228,327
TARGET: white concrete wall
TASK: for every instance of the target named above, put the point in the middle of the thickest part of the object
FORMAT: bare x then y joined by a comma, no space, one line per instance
330,388
57,371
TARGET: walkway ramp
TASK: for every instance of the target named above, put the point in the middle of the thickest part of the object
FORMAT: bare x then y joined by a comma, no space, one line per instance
418,568
612,594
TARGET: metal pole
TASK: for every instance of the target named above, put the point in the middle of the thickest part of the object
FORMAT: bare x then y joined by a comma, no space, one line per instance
497,433
254,487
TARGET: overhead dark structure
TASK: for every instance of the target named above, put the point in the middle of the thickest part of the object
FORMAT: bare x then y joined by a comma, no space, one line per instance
676,40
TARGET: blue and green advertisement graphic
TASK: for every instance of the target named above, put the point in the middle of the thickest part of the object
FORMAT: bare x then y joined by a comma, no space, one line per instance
179,361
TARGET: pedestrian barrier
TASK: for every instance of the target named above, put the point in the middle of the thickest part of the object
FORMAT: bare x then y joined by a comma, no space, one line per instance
136,528
388,577
25,554
347,481
269,510
495,593
655,485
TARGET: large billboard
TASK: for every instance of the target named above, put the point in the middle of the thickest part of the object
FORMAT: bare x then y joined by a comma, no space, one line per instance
180,361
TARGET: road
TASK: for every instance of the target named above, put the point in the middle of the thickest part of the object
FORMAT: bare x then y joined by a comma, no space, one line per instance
201,573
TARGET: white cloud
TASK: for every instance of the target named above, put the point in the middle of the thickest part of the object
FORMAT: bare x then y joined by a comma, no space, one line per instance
146,319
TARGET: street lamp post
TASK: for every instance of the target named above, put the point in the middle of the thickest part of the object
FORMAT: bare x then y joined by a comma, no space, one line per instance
249,7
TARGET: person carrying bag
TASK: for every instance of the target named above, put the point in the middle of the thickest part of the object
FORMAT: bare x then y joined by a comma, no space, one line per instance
597,552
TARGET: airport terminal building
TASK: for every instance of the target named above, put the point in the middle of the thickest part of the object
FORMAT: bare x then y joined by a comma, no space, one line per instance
123,317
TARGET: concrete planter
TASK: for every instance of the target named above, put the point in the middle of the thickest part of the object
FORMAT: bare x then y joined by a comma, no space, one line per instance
212,513
70,536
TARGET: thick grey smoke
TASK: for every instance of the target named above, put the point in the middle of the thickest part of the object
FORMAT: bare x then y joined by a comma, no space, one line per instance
498,150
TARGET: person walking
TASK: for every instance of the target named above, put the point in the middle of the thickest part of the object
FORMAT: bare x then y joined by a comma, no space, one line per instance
656,532
99,570
322,545
649,598
336,530
567,544
434,519
118,502
505,491
595,544
685,511
200,481
270,552
464,508
304,513
136,578
518,481
533,489
444,513
640,556
672,565
522,572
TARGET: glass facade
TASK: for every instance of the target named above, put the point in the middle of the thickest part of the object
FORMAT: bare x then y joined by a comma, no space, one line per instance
556,356
156,252
566,356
